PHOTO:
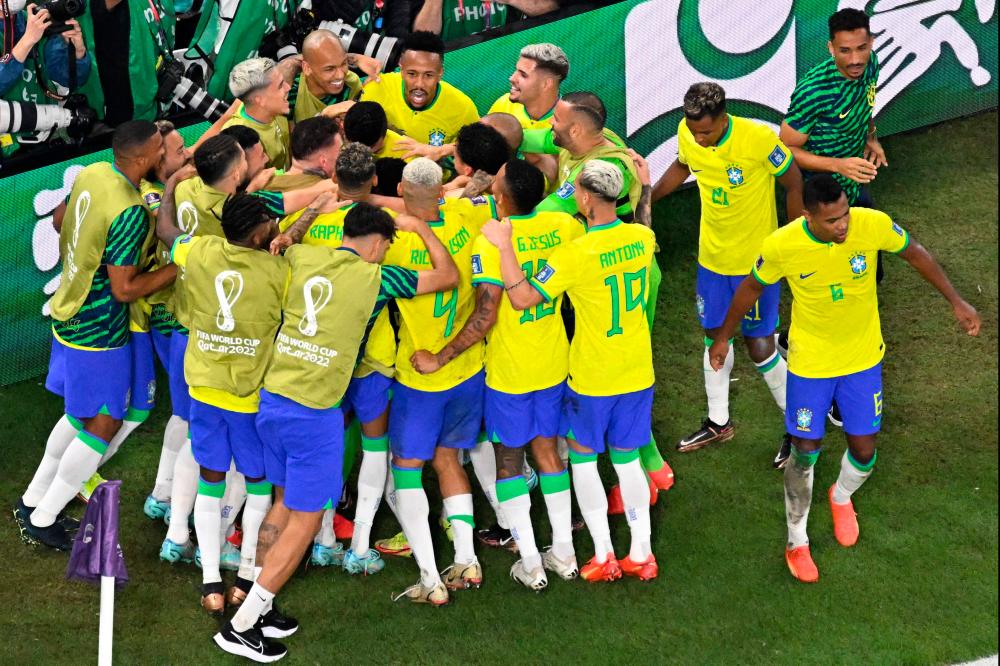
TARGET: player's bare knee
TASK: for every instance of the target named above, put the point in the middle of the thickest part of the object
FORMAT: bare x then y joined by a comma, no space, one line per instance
760,349
103,426
510,461
545,453
806,445
211,475
862,447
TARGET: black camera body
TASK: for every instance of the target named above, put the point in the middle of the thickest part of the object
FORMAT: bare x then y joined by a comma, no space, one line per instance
61,11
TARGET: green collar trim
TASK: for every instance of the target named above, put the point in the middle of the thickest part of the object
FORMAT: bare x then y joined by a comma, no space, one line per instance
114,167
402,89
805,228
243,112
545,116
602,227
729,131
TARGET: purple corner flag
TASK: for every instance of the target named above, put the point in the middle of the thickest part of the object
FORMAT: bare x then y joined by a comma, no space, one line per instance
96,550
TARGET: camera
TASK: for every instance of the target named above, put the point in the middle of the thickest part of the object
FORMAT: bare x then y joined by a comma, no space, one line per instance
176,87
76,117
61,11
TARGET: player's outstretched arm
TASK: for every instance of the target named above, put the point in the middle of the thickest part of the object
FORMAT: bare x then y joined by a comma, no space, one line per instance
857,169
298,199
476,327
746,295
791,180
673,177
166,220
429,17
922,260
519,291
217,125
443,274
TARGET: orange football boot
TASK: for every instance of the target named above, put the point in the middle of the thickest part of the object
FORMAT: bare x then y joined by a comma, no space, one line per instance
801,564
845,521
595,572
647,570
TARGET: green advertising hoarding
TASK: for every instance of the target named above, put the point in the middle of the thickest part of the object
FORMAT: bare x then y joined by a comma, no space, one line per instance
939,61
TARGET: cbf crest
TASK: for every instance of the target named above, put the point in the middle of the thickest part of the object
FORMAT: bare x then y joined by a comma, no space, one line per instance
436,137
871,94
859,263
804,419
735,174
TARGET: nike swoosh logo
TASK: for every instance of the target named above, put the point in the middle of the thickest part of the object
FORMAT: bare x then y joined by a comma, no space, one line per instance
250,645
844,115
803,276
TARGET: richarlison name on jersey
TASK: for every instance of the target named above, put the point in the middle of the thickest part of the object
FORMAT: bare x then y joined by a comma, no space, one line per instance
455,245
623,253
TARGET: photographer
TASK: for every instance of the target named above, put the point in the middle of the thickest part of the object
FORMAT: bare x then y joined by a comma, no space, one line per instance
29,31
19,66
453,19
388,17
127,38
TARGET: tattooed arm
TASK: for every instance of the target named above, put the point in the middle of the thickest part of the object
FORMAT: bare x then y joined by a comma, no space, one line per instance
643,210
478,325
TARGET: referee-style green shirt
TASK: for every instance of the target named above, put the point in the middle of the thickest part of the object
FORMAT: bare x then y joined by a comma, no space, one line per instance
835,112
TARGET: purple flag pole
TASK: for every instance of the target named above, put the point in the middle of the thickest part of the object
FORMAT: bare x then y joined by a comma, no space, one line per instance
97,557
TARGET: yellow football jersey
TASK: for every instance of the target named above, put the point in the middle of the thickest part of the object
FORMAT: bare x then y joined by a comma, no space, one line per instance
435,124
328,229
736,182
516,109
835,324
606,274
526,351
388,148
431,321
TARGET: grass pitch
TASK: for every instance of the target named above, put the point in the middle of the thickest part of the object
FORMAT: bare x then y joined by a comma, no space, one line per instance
920,586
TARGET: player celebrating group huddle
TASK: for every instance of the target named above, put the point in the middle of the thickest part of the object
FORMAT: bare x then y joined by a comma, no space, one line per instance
606,274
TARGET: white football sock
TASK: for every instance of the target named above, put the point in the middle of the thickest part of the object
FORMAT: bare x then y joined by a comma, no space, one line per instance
516,505
371,484
232,501
412,511
128,427
593,502
76,465
775,373
717,388
852,476
174,435
326,536
390,490
257,504
62,434
484,464
559,504
207,521
182,493
635,498
459,511
798,495
256,604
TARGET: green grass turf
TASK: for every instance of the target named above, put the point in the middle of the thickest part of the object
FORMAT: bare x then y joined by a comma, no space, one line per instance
920,587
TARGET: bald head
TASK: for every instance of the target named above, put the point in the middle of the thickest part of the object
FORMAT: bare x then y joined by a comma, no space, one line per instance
318,41
508,127
324,63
